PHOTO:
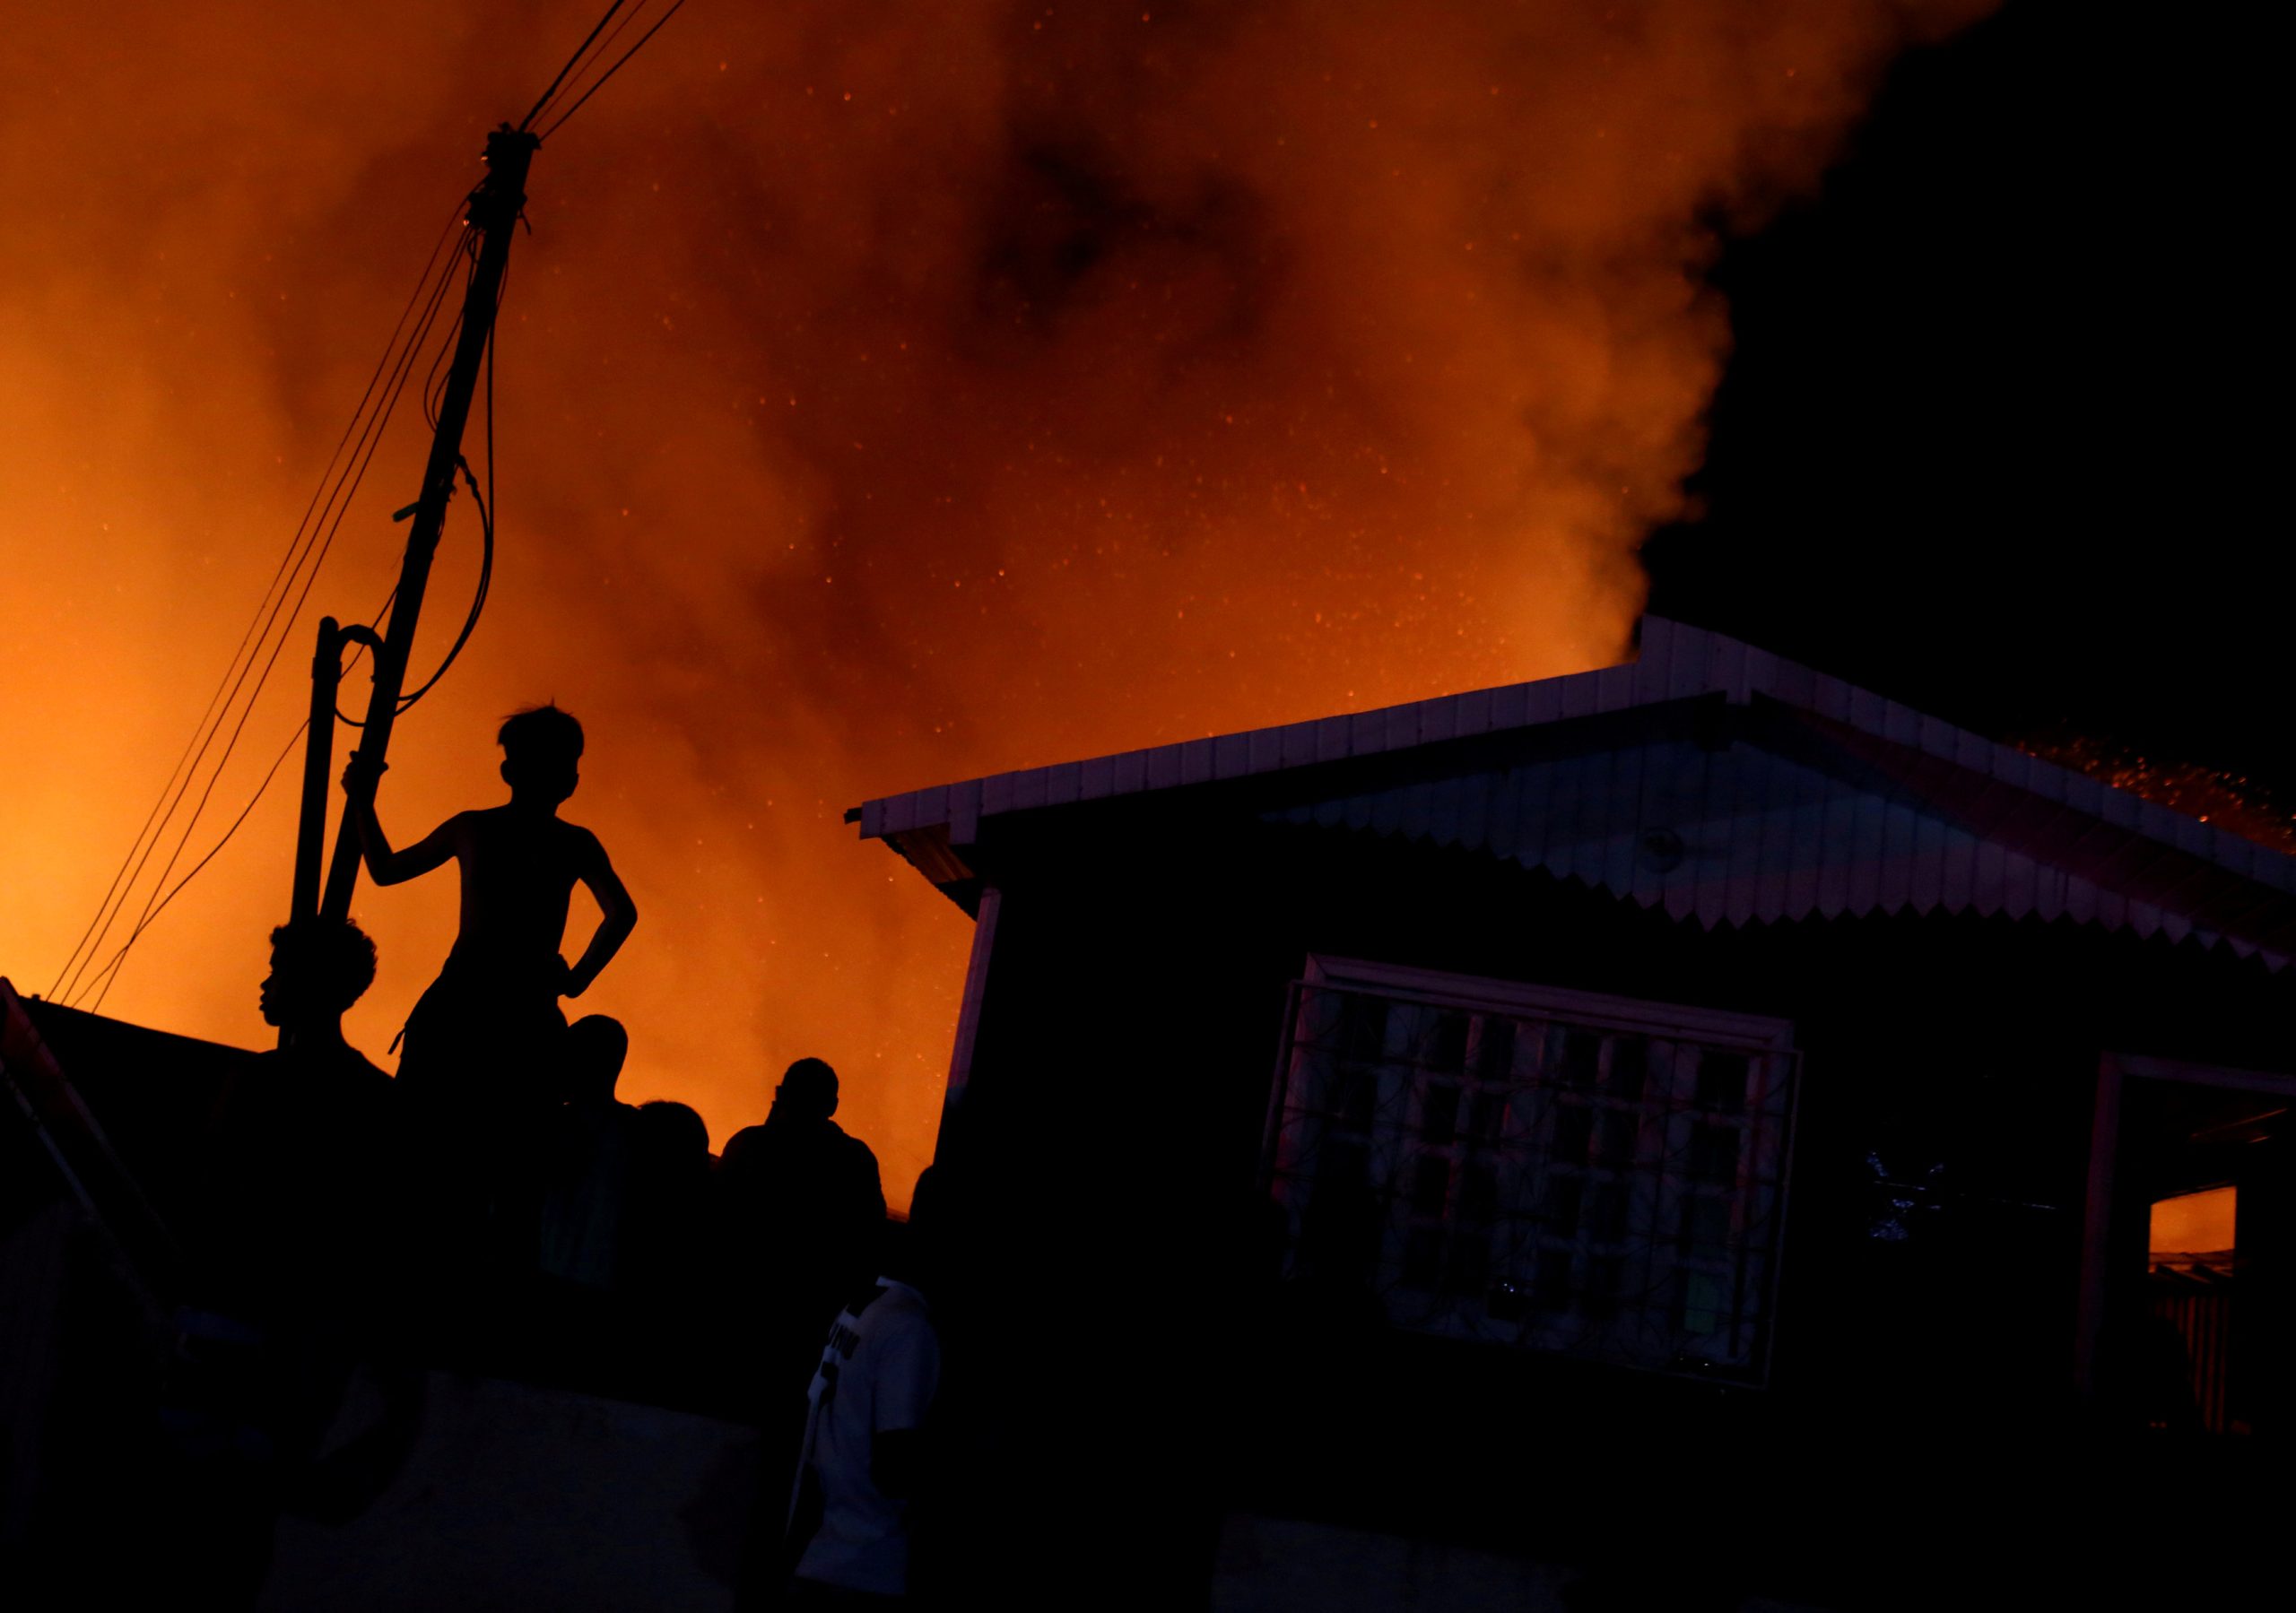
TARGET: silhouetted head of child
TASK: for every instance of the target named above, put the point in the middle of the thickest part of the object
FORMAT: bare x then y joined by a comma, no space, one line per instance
542,755
595,1047
808,1091
318,968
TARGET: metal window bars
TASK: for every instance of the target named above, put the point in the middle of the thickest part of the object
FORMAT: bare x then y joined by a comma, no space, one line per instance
1604,1185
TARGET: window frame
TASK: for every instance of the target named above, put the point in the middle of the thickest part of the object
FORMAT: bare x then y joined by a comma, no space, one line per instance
1759,1036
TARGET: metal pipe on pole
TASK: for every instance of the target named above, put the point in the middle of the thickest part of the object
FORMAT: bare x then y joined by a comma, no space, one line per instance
318,767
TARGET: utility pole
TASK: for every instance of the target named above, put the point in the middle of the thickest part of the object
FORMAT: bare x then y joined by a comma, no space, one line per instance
494,208
318,765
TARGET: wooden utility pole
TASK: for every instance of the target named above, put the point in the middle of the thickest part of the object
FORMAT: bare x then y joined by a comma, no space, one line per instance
494,208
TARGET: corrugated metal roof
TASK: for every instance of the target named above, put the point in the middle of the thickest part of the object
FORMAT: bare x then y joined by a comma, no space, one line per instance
1865,806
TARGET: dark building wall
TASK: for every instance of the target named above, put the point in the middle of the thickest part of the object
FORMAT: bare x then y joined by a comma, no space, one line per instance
153,1093
1129,1032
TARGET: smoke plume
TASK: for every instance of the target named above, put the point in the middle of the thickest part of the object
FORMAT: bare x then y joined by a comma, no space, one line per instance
887,394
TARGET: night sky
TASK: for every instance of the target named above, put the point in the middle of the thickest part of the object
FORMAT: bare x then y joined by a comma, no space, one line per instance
1991,440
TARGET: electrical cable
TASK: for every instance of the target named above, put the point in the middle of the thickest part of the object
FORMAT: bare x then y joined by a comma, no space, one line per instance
527,122
477,604
91,935
604,47
110,971
336,505
485,518
432,383
560,122
340,507
155,903
485,503
308,547
72,980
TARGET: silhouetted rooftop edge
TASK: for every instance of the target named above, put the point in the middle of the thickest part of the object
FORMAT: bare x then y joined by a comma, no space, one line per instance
1976,780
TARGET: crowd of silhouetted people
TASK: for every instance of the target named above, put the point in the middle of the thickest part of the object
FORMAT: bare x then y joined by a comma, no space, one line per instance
496,1207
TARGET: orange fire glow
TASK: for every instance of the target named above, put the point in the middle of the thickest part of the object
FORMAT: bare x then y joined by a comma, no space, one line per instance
886,396
2230,801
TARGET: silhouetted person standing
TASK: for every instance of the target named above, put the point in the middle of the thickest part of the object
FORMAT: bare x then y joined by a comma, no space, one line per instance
669,1252
483,1042
867,1429
590,1163
291,1198
283,1237
806,1199
666,1207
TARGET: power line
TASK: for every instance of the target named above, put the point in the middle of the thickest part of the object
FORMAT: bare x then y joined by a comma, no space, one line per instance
92,934
310,549
431,381
340,507
109,973
485,503
560,122
528,120
182,777
486,550
315,552
604,47
485,517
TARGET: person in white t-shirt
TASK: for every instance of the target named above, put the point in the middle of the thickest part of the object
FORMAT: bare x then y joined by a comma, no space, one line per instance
865,1431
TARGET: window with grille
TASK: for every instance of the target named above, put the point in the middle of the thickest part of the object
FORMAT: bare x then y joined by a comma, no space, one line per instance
1593,1176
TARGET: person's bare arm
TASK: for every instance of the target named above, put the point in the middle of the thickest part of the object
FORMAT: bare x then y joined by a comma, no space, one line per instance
386,866
620,917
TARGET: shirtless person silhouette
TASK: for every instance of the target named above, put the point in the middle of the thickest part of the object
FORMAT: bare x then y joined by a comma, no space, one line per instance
483,1042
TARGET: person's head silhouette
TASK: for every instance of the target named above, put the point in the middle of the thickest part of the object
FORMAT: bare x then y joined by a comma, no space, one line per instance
912,1251
808,1091
318,968
541,753
596,1046
671,1138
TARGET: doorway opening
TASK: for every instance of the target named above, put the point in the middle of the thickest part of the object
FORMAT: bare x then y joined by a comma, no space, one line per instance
2187,1323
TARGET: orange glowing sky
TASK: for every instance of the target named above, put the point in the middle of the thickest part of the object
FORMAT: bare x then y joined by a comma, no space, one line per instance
886,394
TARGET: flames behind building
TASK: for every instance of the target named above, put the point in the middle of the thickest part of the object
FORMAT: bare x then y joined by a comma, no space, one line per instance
880,398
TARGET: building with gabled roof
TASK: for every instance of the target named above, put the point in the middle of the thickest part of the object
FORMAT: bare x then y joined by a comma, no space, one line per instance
1608,1114
1841,801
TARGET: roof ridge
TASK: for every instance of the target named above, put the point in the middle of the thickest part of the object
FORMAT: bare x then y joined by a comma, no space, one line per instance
1672,660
